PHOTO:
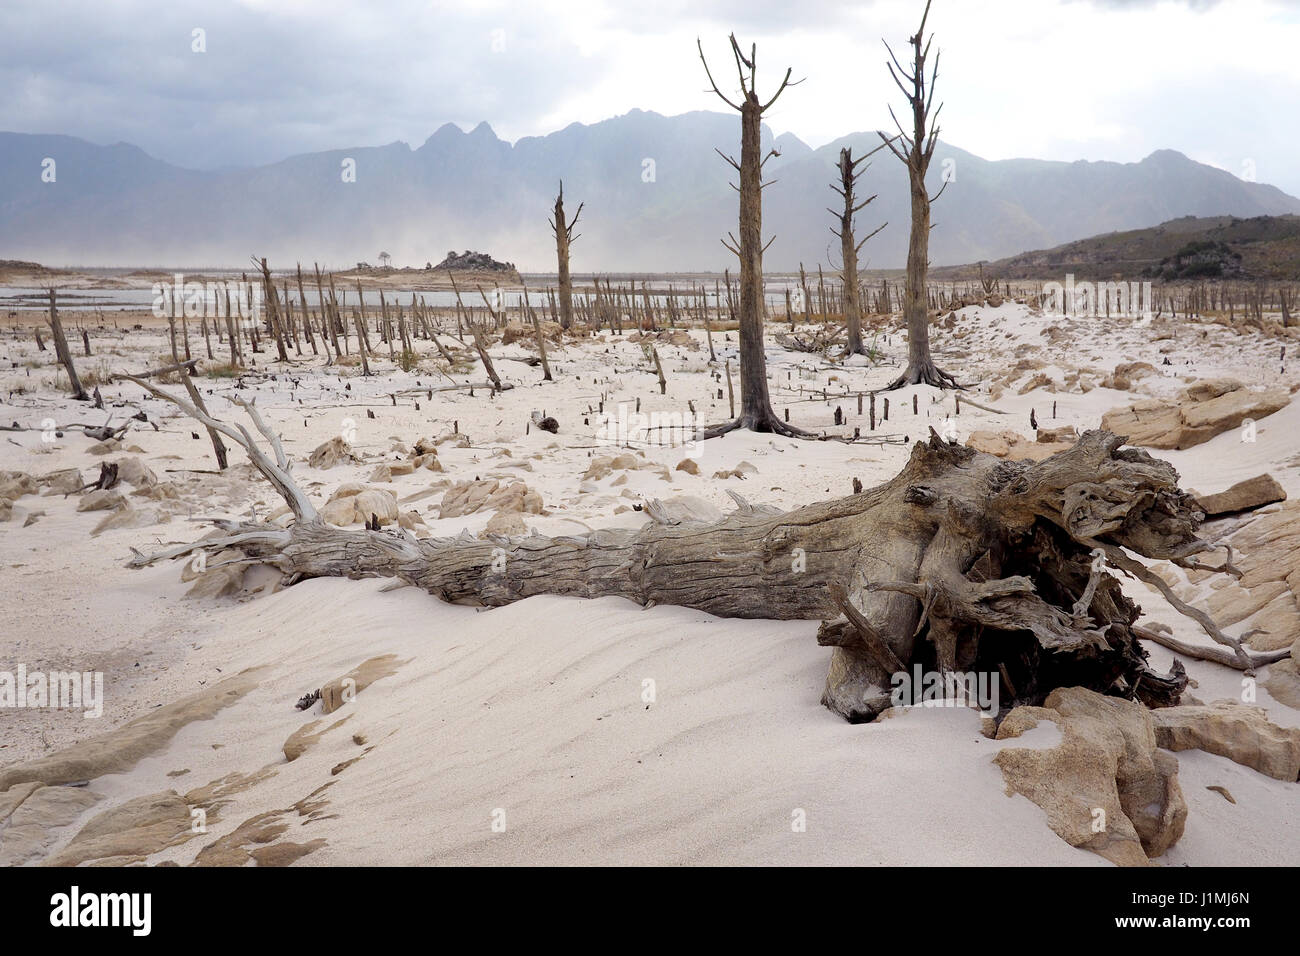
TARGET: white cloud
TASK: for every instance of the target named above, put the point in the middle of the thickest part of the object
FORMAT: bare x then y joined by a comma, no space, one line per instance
1055,79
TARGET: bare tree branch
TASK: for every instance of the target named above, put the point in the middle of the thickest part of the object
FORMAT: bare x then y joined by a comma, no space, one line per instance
724,99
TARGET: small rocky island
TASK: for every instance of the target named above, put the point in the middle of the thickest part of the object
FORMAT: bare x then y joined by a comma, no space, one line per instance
468,261
469,268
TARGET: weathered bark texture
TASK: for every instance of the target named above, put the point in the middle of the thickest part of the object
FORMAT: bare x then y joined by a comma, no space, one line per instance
916,153
756,413
962,562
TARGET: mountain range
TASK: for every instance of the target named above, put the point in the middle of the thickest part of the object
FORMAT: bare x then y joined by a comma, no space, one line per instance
655,194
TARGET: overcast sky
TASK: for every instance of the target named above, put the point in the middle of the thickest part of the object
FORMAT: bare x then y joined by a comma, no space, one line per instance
1051,79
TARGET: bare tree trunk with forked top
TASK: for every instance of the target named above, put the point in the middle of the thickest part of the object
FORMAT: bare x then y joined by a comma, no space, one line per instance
756,413
916,152
849,173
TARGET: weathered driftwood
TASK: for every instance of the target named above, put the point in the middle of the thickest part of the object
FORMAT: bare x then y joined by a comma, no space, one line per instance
1219,655
962,561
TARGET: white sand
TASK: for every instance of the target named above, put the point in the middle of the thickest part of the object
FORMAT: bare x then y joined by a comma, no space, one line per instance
537,708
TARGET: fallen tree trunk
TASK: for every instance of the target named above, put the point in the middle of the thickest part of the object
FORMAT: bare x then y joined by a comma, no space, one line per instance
961,562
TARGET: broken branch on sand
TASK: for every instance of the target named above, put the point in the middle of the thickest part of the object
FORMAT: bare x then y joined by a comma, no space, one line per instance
1218,655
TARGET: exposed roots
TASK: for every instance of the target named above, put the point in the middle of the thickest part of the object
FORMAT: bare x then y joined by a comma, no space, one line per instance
1122,561
861,349
1216,654
924,373
767,422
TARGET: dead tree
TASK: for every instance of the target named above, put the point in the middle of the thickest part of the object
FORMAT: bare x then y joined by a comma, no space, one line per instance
236,358
306,317
62,352
272,305
185,370
361,339
481,344
756,412
849,174
916,152
537,328
564,238
327,322
962,561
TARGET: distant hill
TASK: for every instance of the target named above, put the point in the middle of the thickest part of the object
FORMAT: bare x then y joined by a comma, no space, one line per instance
1214,247
656,198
